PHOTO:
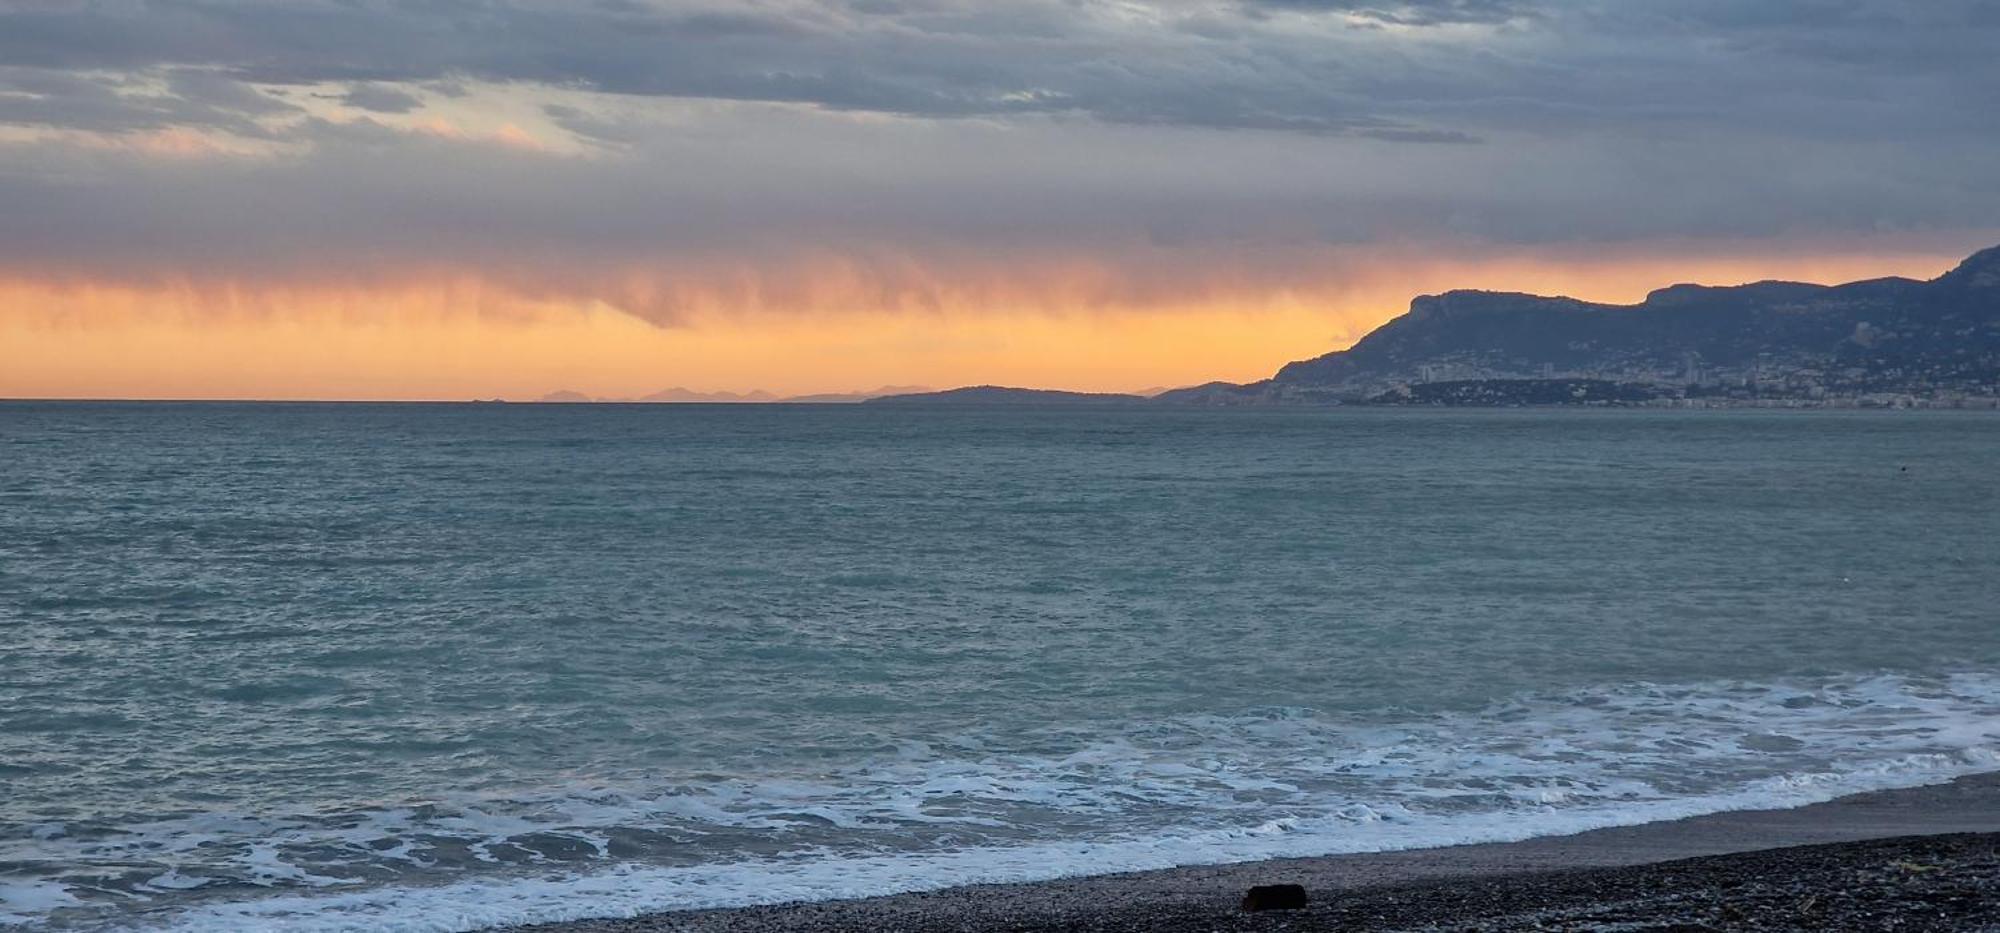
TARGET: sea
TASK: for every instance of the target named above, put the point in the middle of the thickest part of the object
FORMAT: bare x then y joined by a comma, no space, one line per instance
445,667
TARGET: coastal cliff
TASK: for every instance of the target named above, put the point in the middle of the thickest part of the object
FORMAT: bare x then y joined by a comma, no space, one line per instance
1880,339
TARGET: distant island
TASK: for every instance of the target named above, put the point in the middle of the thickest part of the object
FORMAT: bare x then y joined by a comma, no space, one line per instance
678,395
1008,395
837,398
1890,341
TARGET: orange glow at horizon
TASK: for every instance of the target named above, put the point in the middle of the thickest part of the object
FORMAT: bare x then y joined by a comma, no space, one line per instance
461,339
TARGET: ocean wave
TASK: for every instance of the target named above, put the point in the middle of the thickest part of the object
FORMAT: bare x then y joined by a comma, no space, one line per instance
987,808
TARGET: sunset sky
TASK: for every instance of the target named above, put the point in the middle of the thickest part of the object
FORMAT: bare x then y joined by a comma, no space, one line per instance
478,198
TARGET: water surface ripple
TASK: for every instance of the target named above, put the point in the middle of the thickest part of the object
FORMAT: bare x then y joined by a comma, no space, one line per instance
433,666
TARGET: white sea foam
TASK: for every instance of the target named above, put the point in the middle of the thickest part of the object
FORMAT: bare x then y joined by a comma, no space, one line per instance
1205,789
627,891
25,901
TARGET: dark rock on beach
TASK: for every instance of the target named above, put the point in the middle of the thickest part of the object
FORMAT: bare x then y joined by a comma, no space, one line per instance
1275,897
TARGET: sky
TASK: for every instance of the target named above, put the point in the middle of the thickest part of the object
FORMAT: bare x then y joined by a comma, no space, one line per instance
445,199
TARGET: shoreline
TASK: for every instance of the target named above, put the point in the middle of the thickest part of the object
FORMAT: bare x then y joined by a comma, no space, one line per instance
1740,869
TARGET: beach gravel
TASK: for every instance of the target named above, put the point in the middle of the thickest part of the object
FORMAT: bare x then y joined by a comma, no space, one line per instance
1916,859
1918,883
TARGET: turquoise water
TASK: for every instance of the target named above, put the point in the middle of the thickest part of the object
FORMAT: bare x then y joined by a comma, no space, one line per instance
435,666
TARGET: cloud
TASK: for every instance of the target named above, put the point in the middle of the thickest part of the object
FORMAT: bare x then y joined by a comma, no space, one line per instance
766,208
1415,12
1453,69
1449,70
188,98
642,152
377,98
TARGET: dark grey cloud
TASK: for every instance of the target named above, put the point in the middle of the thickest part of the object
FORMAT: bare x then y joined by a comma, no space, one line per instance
590,126
114,103
377,98
761,129
1293,65
1415,12
755,186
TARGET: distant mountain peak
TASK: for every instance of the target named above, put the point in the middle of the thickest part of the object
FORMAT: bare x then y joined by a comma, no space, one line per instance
1769,290
1475,301
680,394
1980,270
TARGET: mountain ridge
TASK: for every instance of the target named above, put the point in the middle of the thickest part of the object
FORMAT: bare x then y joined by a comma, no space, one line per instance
1766,340
679,395
1008,395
